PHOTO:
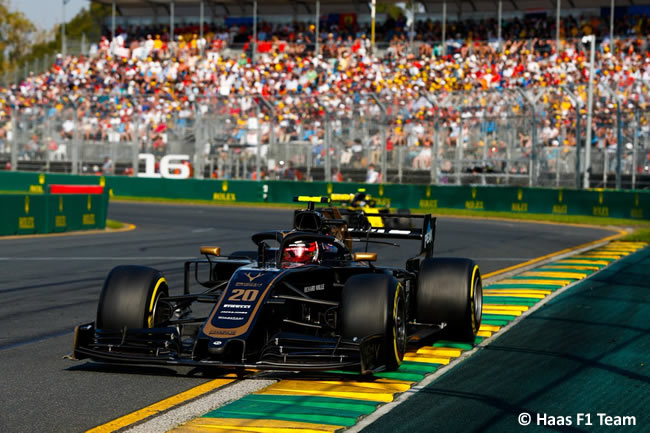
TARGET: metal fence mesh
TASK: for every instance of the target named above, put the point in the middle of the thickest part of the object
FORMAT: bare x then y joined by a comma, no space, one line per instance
507,136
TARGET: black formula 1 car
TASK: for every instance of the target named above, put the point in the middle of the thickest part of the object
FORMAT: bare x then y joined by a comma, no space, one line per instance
303,300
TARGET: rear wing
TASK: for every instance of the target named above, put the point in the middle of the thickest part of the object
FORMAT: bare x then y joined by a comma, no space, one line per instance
341,198
348,197
426,234
358,224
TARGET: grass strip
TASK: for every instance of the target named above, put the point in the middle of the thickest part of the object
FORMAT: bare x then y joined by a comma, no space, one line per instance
640,235
206,202
114,225
566,219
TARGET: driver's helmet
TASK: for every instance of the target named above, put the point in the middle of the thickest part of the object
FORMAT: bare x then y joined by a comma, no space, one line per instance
359,199
300,254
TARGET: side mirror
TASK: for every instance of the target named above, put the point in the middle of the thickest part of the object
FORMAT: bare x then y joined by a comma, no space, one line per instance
211,251
365,257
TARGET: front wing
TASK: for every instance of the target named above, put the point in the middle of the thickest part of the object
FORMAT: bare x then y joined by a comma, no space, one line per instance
163,346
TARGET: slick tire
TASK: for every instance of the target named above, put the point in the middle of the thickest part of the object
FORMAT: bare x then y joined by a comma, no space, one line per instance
374,304
131,298
450,291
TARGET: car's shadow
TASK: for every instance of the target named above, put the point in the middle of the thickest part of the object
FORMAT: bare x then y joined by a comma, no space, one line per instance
148,370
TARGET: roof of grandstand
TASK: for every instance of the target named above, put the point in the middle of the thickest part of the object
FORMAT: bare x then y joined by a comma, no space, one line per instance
230,7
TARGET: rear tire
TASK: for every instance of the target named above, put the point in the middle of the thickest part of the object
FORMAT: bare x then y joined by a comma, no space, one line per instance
450,291
374,304
130,298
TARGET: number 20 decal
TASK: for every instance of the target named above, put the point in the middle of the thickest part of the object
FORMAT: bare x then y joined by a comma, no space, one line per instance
249,295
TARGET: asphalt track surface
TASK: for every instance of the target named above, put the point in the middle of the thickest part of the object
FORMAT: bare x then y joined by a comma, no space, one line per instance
50,284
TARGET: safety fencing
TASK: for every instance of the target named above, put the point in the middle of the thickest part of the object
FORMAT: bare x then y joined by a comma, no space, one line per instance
550,201
38,204
533,137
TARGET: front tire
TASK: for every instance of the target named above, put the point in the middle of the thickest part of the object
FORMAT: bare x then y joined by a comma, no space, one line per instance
131,298
450,291
374,304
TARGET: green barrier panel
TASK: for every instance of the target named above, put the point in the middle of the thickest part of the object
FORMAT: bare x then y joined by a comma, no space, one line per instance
28,208
44,213
613,204
601,203
68,212
189,189
19,182
23,214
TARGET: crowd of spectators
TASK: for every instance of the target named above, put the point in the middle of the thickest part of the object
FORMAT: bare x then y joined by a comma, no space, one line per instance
540,26
141,88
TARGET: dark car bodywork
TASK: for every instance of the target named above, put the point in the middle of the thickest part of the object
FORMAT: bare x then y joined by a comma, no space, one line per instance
265,315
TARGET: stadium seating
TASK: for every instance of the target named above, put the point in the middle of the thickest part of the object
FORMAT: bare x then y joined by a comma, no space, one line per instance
141,88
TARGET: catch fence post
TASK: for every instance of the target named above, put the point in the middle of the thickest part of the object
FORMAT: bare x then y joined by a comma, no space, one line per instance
198,144
433,166
135,151
635,144
328,143
383,138
14,142
258,139
75,144
459,150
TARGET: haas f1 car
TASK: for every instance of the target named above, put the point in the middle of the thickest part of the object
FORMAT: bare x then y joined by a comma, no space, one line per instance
303,300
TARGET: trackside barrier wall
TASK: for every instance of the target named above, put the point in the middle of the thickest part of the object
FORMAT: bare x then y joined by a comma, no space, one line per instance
27,206
595,202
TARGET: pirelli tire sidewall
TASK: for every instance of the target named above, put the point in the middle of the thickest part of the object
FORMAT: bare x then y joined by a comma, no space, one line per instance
373,304
450,290
130,298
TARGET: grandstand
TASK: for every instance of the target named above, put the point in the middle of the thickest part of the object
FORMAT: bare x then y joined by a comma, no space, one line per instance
313,11
244,101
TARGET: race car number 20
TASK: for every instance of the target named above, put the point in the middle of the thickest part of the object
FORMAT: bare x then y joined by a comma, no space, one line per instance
238,295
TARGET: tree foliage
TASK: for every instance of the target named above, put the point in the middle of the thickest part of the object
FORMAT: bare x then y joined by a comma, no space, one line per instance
21,43
16,33
390,8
